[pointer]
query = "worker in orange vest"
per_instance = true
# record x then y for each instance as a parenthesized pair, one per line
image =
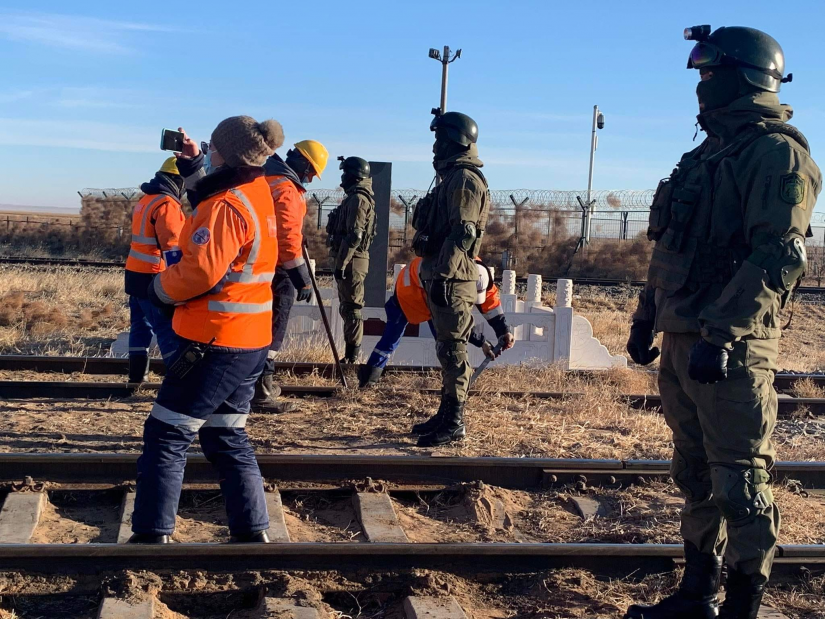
(287, 180)
(220, 294)
(157, 220)
(408, 305)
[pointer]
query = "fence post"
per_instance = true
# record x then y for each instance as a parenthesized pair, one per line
(625, 217)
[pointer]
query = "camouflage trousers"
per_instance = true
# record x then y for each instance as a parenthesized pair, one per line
(351, 299)
(453, 325)
(723, 452)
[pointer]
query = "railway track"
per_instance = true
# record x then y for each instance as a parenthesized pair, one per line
(783, 382)
(30, 389)
(378, 524)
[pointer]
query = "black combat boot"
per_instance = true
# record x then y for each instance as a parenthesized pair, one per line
(368, 376)
(451, 427)
(351, 353)
(742, 597)
(258, 537)
(149, 538)
(265, 390)
(431, 425)
(696, 597)
(138, 368)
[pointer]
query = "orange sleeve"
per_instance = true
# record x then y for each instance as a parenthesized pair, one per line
(491, 301)
(214, 238)
(290, 210)
(169, 219)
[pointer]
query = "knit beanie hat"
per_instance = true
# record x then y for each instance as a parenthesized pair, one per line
(242, 141)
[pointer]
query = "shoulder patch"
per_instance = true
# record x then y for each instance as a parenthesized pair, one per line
(201, 236)
(792, 188)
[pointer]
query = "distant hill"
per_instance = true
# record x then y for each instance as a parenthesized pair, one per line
(39, 210)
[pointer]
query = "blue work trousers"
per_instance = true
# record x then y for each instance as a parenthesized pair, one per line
(147, 320)
(393, 332)
(212, 402)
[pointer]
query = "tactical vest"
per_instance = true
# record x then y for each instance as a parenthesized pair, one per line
(681, 215)
(429, 236)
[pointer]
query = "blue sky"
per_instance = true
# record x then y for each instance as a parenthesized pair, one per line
(87, 86)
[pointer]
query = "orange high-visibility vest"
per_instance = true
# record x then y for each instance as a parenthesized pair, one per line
(410, 293)
(413, 300)
(290, 210)
(156, 224)
(231, 239)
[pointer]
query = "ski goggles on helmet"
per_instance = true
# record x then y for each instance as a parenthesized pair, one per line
(706, 54)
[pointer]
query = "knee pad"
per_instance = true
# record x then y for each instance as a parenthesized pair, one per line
(452, 352)
(741, 493)
(690, 476)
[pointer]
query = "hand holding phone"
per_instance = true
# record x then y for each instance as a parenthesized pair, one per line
(190, 146)
(171, 140)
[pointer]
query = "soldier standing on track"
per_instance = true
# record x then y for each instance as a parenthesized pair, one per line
(287, 180)
(729, 226)
(351, 231)
(449, 223)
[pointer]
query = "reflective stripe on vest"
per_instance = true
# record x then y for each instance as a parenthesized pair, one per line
(245, 275)
(407, 277)
(142, 238)
(496, 311)
(294, 263)
(133, 253)
(239, 308)
(280, 181)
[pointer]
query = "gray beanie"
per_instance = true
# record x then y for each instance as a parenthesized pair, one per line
(241, 140)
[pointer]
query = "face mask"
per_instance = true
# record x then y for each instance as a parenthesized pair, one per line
(306, 179)
(207, 162)
(719, 91)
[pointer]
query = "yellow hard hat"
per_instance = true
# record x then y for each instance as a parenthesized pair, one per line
(170, 166)
(316, 153)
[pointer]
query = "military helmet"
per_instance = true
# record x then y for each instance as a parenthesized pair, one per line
(456, 126)
(757, 57)
(354, 167)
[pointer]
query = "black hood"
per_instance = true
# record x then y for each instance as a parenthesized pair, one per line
(275, 166)
(167, 184)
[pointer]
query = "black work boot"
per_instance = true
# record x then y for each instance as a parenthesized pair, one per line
(138, 368)
(351, 353)
(149, 538)
(742, 597)
(368, 376)
(258, 537)
(431, 425)
(696, 597)
(451, 427)
(265, 390)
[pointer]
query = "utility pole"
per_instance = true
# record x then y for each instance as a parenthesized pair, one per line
(445, 60)
(598, 123)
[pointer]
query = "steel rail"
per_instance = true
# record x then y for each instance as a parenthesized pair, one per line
(30, 389)
(489, 556)
(514, 473)
(784, 381)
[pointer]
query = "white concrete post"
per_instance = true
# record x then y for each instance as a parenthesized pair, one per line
(508, 282)
(564, 322)
(533, 299)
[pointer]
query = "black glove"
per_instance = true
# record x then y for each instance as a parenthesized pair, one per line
(640, 343)
(299, 276)
(303, 294)
(708, 363)
(339, 275)
(438, 293)
(165, 309)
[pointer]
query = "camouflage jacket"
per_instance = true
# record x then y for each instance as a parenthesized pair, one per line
(751, 183)
(355, 225)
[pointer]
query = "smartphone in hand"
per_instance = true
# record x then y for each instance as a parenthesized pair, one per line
(171, 140)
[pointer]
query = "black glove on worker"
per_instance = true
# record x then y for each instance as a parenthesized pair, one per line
(438, 293)
(707, 363)
(165, 309)
(640, 343)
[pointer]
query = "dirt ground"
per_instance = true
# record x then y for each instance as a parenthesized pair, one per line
(552, 594)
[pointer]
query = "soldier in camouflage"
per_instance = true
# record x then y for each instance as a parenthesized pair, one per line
(729, 226)
(449, 225)
(351, 234)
